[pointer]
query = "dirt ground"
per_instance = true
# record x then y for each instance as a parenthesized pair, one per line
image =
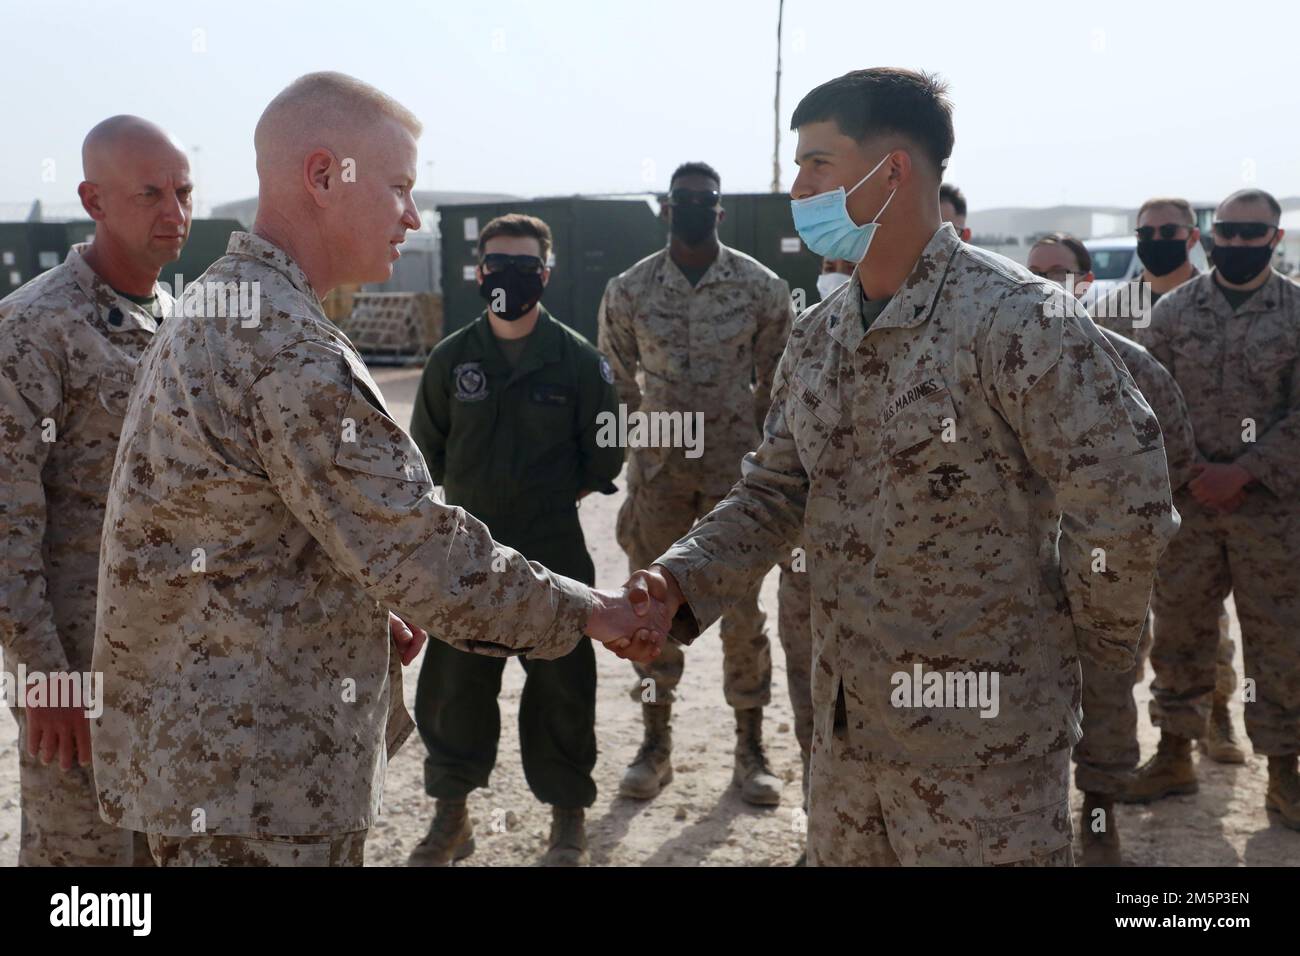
(699, 819)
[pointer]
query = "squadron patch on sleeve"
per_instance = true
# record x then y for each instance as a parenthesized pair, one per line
(606, 371)
(471, 383)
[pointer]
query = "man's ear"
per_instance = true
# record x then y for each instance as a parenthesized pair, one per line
(722, 215)
(89, 195)
(478, 273)
(965, 233)
(320, 175)
(1193, 237)
(546, 276)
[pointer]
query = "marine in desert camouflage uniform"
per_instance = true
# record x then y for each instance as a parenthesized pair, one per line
(69, 343)
(705, 324)
(1232, 341)
(984, 495)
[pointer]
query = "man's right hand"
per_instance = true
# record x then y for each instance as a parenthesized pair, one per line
(64, 731)
(656, 582)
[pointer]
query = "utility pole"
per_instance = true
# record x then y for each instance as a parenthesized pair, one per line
(776, 107)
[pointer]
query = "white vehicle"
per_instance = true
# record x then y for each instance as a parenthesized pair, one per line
(1115, 262)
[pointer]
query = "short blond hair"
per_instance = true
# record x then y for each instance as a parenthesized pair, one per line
(1170, 202)
(329, 100)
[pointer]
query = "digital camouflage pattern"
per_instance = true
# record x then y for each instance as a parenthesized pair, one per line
(712, 348)
(343, 849)
(1109, 747)
(68, 351)
(1238, 371)
(265, 515)
(981, 488)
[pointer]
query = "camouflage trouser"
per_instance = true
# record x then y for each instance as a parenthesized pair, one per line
(61, 825)
(864, 813)
(1252, 556)
(1109, 748)
(650, 520)
(330, 849)
(794, 625)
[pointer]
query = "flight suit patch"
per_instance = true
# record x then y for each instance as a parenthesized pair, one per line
(470, 381)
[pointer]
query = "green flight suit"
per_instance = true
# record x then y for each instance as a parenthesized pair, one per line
(515, 448)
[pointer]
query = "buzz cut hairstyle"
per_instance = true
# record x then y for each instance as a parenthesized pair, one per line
(1170, 202)
(1081, 255)
(519, 225)
(695, 169)
(1256, 195)
(954, 197)
(328, 98)
(882, 101)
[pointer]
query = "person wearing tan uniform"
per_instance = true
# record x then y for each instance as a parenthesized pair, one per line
(705, 325)
(269, 526)
(69, 343)
(984, 495)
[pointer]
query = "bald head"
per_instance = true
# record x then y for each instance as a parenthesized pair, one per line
(137, 188)
(112, 144)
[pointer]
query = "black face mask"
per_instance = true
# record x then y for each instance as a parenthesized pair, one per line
(693, 224)
(1162, 256)
(1240, 264)
(522, 292)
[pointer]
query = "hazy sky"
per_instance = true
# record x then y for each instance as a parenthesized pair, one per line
(1090, 101)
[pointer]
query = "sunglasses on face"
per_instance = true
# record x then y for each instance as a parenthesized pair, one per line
(496, 261)
(694, 197)
(1247, 230)
(1169, 230)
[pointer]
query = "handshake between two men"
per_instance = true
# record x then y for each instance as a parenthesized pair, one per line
(635, 621)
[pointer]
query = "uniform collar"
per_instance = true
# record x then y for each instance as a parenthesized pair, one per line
(543, 348)
(269, 254)
(1266, 298)
(910, 306)
(720, 269)
(116, 313)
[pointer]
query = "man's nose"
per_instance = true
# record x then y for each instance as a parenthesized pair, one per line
(799, 189)
(411, 215)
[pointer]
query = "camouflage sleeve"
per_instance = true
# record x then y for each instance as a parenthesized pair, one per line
(616, 340)
(1274, 458)
(769, 343)
(727, 553)
(1088, 433)
(1166, 400)
(31, 417)
(357, 482)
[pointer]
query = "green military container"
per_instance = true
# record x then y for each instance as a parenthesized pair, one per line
(29, 248)
(596, 238)
(760, 225)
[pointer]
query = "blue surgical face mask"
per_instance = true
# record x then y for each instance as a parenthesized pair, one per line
(824, 224)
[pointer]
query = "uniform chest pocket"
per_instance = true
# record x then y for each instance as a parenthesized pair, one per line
(919, 443)
(1270, 350)
(1195, 352)
(369, 441)
(114, 389)
(812, 417)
